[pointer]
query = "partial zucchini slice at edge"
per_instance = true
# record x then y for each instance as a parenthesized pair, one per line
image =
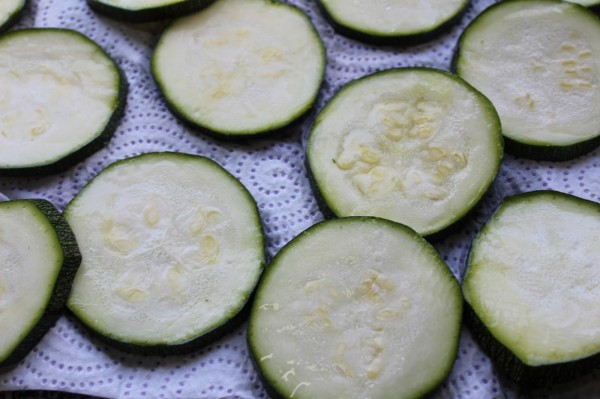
(532, 287)
(355, 307)
(39, 257)
(240, 67)
(147, 10)
(537, 61)
(389, 22)
(10, 11)
(172, 248)
(62, 98)
(415, 145)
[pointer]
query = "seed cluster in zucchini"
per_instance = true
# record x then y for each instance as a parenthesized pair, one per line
(240, 67)
(533, 287)
(355, 307)
(10, 10)
(396, 21)
(39, 257)
(172, 248)
(61, 97)
(147, 10)
(537, 61)
(414, 145)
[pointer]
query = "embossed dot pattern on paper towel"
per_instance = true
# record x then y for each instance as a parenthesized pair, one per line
(69, 359)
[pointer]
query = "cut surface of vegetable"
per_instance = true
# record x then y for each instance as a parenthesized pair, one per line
(537, 61)
(61, 97)
(9, 12)
(240, 67)
(147, 10)
(417, 146)
(172, 247)
(396, 20)
(533, 281)
(38, 260)
(355, 308)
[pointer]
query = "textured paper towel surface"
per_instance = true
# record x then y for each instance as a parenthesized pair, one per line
(69, 359)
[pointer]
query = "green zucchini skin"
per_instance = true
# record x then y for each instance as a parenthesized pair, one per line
(233, 320)
(528, 377)
(152, 14)
(521, 148)
(13, 18)
(392, 40)
(62, 285)
(281, 128)
(101, 140)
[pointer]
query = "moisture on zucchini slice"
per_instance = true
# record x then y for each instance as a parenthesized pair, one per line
(355, 307)
(240, 67)
(533, 287)
(61, 98)
(10, 10)
(396, 21)
(147, 10)
(414, 145)
(172, 248)
(39, 257)
(537, 61)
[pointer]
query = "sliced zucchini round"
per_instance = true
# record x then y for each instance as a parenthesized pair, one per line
(10, 10)
(537, 61)
(61, 99)
(414, 145)
(533, 286)
(355, 307)
(146, 10)
(172, 248)
(240, 67)
(39, 257)
(396, 21)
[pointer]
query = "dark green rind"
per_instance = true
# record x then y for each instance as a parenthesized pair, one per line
(13, 18)
(152, 14)
(526, 376)
(239, 136)
(268, 382)
(62, 285)
(378, 38)
(521, 148)
(99, 142)
(329, 211)
(212, 334)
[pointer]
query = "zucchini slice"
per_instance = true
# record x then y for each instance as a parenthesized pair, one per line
(39, 257)
(355, 307)
(533, 285)
(146, 10)
(172, 248)
(10, 10)
(61, 99)
(396, 21)
(417, 146)
(538, 62)
(240, 67)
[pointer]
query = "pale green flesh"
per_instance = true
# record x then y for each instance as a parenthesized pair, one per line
(171, 246)
(8, 8)
(139, 4)
(240, 66)
(539, 64)
(393, 17)
(58, 93)
(415, 146)
(30, 257)
(534, 279)
(356, 309)
(586, 3)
